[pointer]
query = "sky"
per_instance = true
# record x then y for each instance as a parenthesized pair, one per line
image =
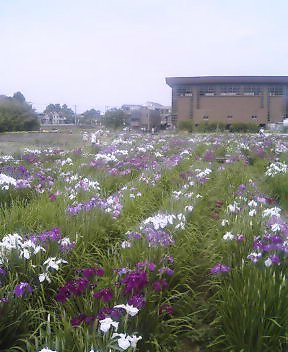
(105, 53)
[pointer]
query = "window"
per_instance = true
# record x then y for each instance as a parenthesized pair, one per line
(230, 90)
(184, 92)
(205, 117)
(254, 117)
(207, 91)
(276, 91)
(250, 90)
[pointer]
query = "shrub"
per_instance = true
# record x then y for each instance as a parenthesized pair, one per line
(186, 125)
(211, 127)
(278, 186)
(243, 127)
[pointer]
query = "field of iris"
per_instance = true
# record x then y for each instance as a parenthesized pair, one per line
(150, 243)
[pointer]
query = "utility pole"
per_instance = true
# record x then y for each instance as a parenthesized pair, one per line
(148, 115)
(75, 114)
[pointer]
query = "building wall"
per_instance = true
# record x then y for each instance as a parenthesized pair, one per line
(260, 109)
(231, 109)
(183, 108)
(277, 109)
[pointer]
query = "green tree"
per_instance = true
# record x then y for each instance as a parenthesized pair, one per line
(52, 108)
(17, 115)
(115, 118)
(68, 113)
(90, 117)
(19, 97)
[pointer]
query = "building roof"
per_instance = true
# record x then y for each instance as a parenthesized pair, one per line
(173, 81)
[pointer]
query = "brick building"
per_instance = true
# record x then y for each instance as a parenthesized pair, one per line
(228, 99)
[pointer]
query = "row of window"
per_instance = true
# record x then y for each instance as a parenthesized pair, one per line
(230, 91)
(206, 117)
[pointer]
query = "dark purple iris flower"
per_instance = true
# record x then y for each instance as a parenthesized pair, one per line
(74, 287)
(106, 295)
(166, 308)
(89, 272)
(103, 313)
(135, 282)
(160, 285)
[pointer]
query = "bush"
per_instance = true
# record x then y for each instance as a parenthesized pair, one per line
(243, 127)
(211, 127)
(279, 188)
(207, 127)
(186, 125)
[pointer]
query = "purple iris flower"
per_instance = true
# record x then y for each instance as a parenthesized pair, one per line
(22, 288)
(220, 268)
(137, 301)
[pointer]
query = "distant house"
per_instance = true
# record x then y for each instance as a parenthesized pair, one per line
(130, 107)
(52, 118)
(142, 117)
(258, 99)
(165, 112)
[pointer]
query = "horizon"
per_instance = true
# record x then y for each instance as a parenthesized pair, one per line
(107, 54)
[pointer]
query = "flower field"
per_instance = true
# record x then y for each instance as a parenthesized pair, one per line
(149, 243)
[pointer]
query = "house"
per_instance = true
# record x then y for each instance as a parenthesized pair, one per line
(52, 118)
(165, 112)
(228, 99)
(142, 117)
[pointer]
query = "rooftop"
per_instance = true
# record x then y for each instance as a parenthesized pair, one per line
(172, 81)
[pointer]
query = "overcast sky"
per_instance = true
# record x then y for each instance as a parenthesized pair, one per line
(97, 53)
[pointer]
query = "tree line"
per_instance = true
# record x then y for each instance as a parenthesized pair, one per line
(16, 114)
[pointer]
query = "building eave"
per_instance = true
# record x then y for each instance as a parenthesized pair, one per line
(175, 81)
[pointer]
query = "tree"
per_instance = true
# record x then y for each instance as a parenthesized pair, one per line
(68, 114)
(52, 108)
(17, 115)
(90, 117)
(115, 118)
(19, 97)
